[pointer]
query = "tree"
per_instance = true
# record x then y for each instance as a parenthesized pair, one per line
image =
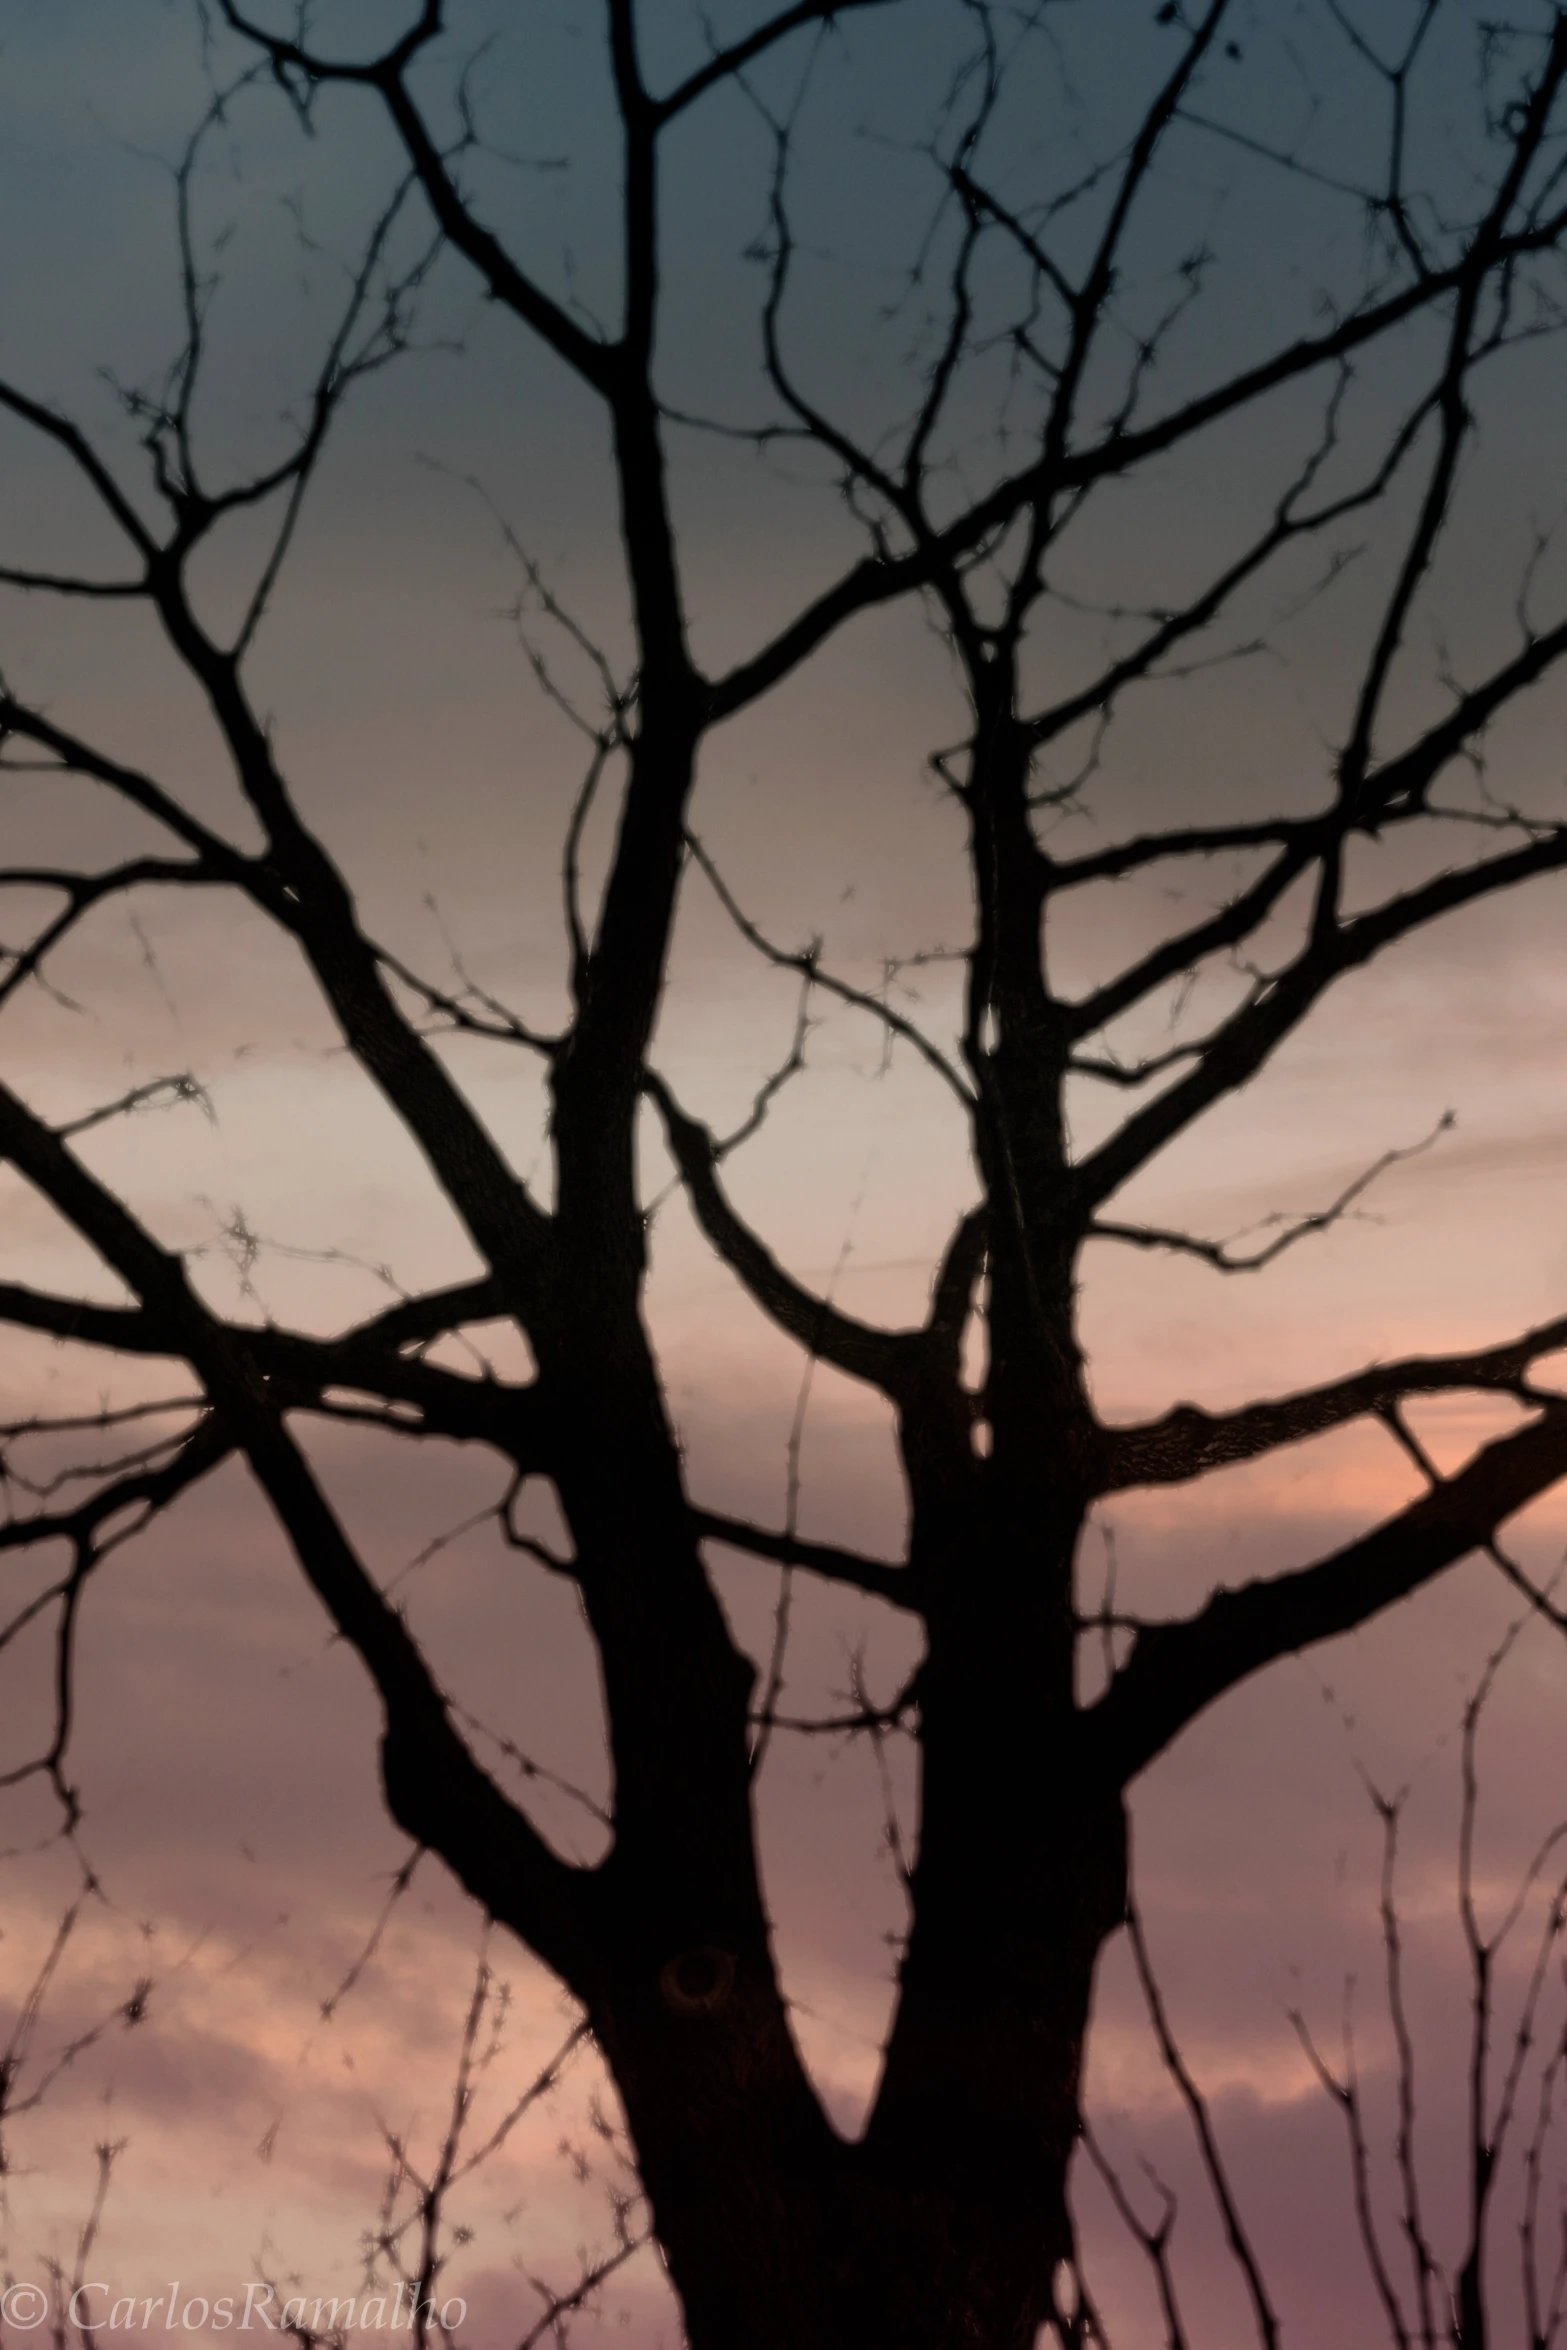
(1072, 339)
(1474, 2256)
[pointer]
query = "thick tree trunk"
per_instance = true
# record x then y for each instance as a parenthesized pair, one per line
(943, 2229)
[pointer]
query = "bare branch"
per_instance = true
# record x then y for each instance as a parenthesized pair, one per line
(877, 1577)
(69, 438)
(1188, 1442)
(1286, 1229)
(807, 962)
(1153, 2241)
(434, 1786)
(885, 1358)
(882, 578)
(385, 75)
(1240, 1047)
(1345, 2094)
(1245, 2258)
(1177, 1669)
(727, 63)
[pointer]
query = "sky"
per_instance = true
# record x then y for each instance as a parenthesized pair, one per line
(226, 1748)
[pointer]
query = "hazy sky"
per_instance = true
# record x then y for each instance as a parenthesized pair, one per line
(227, 1750)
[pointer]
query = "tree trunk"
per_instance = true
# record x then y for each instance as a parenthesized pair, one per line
(942, 2230)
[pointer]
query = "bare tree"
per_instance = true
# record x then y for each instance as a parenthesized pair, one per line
(1064, 353)
(418, 2226)
(32, 2064)
(1495, 2180)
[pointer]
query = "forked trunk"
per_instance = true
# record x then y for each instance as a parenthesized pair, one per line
(943, 2228)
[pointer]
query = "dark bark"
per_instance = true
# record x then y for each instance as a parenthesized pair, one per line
(944, 2227)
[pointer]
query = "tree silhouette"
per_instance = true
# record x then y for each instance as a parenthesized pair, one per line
(1460, 2228)
(1066, 353)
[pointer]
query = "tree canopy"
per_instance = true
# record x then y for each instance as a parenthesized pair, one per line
(1122, 357)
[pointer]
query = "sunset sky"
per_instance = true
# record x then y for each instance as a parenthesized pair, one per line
(226, 1751)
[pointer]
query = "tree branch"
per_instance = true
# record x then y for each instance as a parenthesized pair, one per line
(1177, 1669)
(436, 1789)
(1287, 1229)
(899, 1585)
(881, 578)
(884, 1358)
(726, 63)
(1188, 1442)
(1240, 1047)
(807, 962)
(507, 283)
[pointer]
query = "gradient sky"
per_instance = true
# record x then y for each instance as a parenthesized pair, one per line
(227, 1750)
